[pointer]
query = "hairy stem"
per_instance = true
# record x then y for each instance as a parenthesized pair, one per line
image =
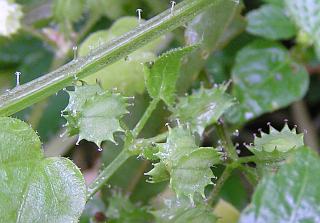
(105, 175)
(34, 91)
(228, 145)
(143, 121)
(159, 138)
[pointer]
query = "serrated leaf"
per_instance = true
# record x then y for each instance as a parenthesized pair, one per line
(265, 78)
(271, 22)
(181, 211)
(34, 188)
(291, 195)
(277, 145)
(162, 76)
(187, 164)
(159, 173)
(127, 74)
(94, 114)
(203, 108)
(306, 16)
(192, 173)
(180, 142)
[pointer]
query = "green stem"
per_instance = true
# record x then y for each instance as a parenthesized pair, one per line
(159, 138)
(34, 91)
(247, 159)
(105, 175)
(229, 147)
(213, 198)
(143, 121)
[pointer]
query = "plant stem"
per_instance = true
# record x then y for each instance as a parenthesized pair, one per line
(213, 198)
(159, 138)
(246, 159)
(105, 175)
(223, 134)
(143, 121)
(34, 91)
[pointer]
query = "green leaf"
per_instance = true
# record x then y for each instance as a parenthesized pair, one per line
(265, 79)
(291, 195)
(126, 75)
(203, 107)
(192, 173)
(277, 145)
(162, 75)
(34, 188)
(68, 10)
(181, 211)
(306, 15)
(159, 173)
(180, 142)
(187, 164)
(121, 210)
(94, 114)
(270, 22)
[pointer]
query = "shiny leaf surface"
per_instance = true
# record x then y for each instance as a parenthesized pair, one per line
(265, 78)
(162, 75)
(203, 107)
(34, 188)
(270, 22)
(291, 195)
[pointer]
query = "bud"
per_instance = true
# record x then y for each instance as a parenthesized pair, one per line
(10, 15)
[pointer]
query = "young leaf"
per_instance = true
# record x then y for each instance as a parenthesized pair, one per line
(265, 78)
(187, 164)
(291, 195)
(192, 173)
(203, 107)
(159, 173)
(181, 211)
(271, 22)
(180, 142)
(162, 75)
(34, 188)
(277, 145)
(94, 114)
